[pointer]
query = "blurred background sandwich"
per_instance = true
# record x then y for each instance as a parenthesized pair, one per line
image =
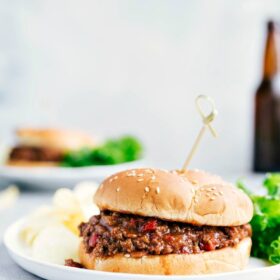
(46, 146)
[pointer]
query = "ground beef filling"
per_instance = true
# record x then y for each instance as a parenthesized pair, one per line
(72, 263)
(28, 153)
(111, 233)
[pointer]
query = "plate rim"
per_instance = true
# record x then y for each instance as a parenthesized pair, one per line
(52, 178)
(13, 228)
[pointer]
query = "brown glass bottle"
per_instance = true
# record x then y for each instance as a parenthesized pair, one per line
(267, 108)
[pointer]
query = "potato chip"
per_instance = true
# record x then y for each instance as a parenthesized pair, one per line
(8, 197)
(52, 231)
(72, 222)
(54, 244)
(43, 217)
(65, 200)
(84, 192)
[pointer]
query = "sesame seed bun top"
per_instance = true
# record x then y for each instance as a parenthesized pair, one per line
(199, 177)
(173, 196)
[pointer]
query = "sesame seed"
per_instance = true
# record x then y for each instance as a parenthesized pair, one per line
(127, 255)
(130, 174)
(215, 194)
(140, 175)
(118, 189)
(220, 192)
(212, 189)
(115, 178)
(195, 182)
(153, 177)
(140, 179)
(212, 198)
(157, 190)
(147, 189)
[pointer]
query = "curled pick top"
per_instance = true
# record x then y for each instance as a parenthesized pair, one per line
(207, 119)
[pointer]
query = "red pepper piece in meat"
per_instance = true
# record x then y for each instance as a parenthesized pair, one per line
(149, 226)
(207, 246)
(93, 240)
(169, 238)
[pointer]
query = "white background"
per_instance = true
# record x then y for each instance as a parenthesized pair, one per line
(115, 67)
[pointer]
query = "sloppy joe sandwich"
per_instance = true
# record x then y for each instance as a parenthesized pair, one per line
(154, 221)
(43, 147)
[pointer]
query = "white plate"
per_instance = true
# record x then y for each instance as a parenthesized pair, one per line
(57, 177)
(256, 270)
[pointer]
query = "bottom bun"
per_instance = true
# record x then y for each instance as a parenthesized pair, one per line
(223, 260)
(25, 163)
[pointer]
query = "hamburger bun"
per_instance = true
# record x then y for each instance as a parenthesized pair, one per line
(199, 177)
(171, 196)
(223, 260)
(53, 138)
(25, 163)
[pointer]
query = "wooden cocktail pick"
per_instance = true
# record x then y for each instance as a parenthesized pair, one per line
(207, 119)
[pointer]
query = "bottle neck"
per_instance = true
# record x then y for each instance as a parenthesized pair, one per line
(270, 67)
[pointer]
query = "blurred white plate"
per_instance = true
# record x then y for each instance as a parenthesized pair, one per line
(57, 177)
(256, 270)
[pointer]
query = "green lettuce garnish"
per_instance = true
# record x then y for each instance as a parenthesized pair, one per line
(266, 220)
(113, 151)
